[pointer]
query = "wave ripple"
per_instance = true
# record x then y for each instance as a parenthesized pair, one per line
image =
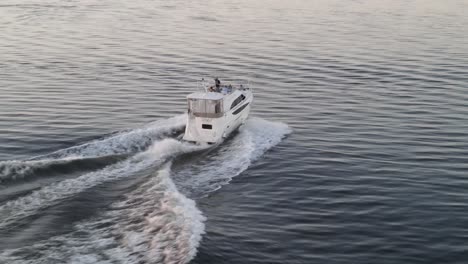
(154, 223)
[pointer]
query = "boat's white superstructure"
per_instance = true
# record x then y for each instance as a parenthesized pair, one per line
(215, 113)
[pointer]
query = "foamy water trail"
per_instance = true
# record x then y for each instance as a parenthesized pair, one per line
(155, 224)
(52, 194)
(252, 141)
(126, 142)
(122, 143)
(163, 220)
(19, 169)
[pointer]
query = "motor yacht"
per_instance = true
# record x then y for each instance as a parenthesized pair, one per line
(217, 111)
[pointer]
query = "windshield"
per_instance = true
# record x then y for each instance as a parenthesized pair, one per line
(205, 108)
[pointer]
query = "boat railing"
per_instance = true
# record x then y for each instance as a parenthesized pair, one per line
(234, 84)
(237, 84)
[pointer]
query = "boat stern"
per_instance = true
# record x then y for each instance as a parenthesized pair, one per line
(204, 130)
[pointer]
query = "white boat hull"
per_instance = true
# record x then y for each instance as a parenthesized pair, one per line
(215, 130)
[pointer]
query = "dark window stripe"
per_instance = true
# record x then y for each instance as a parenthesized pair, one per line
(240, 109)
(237, 101)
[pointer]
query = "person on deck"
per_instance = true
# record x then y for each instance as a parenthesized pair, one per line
(217, 84)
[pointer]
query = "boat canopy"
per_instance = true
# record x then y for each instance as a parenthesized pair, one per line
(205, 104)
(204, 95)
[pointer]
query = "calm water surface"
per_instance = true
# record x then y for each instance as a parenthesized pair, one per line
(356, 150)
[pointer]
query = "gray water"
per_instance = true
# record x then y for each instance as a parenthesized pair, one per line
(355, 151)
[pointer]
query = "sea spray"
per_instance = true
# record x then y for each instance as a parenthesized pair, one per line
(232, 158)
(50, 195)
(154, 224)
(122, 143)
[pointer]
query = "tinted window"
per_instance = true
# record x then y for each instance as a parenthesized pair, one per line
(240, 109)
(237, 101)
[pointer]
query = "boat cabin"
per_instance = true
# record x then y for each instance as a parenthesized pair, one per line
(202, 104)
(216, 112)
(215, 101)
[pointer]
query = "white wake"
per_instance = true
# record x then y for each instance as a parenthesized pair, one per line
(52, 194)
(122, 143)
(254, 138)
(155, 223)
